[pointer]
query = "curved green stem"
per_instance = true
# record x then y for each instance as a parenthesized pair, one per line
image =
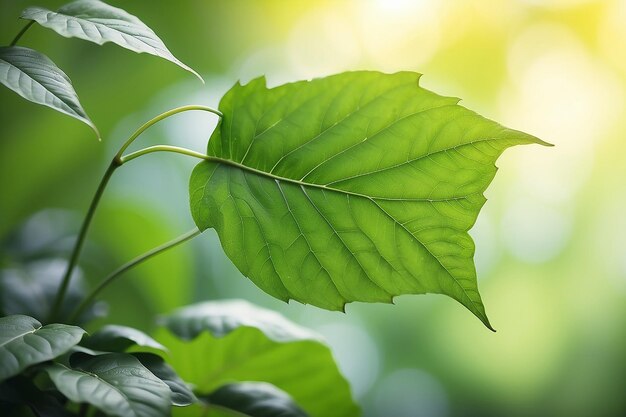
(115, 163)
(58, 301)
(162, 148)
(21, 33)
(129, 265)
(157, 119)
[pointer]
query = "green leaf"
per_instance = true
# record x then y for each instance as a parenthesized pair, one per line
(98, 22)
(255, 399)
(116, 383)
(24, 342)
(356, 187)
(115, 338)
(20, 391)
(35, 77)
(181, 394)
(31, 289)
(226, 341)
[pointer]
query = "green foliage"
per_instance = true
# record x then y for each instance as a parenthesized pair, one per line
(35, 77)
(98, 22)
(356, 187)
(116, 383)
(226, 341)
(25, 342)
(116, 338)
(255, 399)
(181, 394)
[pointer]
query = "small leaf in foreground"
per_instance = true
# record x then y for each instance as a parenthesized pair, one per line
(360, 186)
(115, 383)
(25, 342)
(98, 22)
(36, 78)
(116, 338)
(232, 340)
(255, 399)
(181, 393)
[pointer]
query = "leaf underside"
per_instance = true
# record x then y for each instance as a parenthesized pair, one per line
(233, 340)
(356, 187)
(25, 342)
(36, 78)
(98, 22)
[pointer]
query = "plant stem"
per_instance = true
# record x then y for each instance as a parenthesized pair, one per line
(115, 163)
(162, 148)
(129, 265)
(21, 32)
(157, 119)
(58, 301)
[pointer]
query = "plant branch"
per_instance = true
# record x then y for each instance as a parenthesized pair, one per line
(58, 301)
(21, 33)
(129, 265)
(157, 119)
(115, 163)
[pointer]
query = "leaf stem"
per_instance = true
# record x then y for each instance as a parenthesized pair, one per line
(129, 265)
(115, 163)
(21, 33)
(157, 119)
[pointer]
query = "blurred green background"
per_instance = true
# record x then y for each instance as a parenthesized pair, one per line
(550, 241)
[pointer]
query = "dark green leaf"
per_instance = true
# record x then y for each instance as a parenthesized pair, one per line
(115, 338)
(181, 394)
(356, 187)
(255, 399)
(31, 290)
(228, 341)
(25, 342)
(116, 383)
(35, 77)
(20, 391)
(98, 22)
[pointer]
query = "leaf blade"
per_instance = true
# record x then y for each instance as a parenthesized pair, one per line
(116, 383)
(255, 399)
(25, 342)
(232, 340)
(116, 338)
(98, 22)
(36, 78)
(354, 187)
(181, 393)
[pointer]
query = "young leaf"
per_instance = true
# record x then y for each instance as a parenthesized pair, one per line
(25, 342)
(115, 338)
(226, 341)
(255, 399)
(356, 187)
(116, 383)
(98, 22)
(35, 77)
(181, 394)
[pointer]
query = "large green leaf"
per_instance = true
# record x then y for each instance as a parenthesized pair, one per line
(25, 342)
(356, 187)
(226, 341)
(98, 22)
(35, 77)
(116, 383)
(116, 338)
(255, 399)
